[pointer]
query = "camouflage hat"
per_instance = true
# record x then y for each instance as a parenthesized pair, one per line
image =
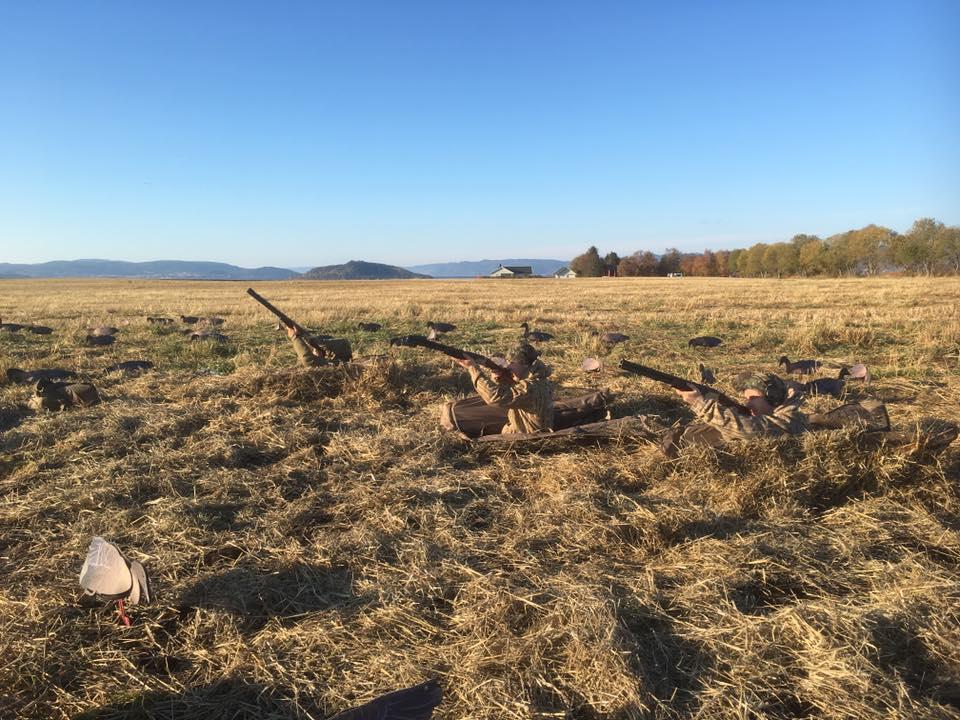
(769, 384)
(524, 354)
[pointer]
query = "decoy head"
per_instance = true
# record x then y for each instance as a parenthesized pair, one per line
(783, 360)
(844, 372)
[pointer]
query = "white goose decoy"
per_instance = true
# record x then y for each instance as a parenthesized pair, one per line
(107, 574)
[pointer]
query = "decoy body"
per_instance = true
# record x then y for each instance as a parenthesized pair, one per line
(10, 327)
(211, 336)
(704, 341)
(103, 330)
(534, 335)
(369, 326)
(799, 367)
(107, 574)
(591, 365)
(159, 320)
(858, 371)
(441, 327)
(212, 321)
(100, 339)
(16, 375)
(39, 329)
(706, 375)
(824, 386)
(189, 319)
(412, 703)
(613, 338)
(131, 367)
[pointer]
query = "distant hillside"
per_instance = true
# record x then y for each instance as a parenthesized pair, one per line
(472, 268)
(360, 270)
(159, 269)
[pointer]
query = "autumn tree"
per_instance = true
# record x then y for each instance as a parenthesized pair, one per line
(588, 264)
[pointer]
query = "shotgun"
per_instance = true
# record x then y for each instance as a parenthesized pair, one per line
(424, 342)
(679, 383)
(289, 322)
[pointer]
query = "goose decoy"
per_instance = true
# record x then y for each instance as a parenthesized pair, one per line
(189, 319)
(369, 327)
(858, 371)
(280, 326)
(103, 330)
(799, 367)
(440, 328)
(131, 367)
(16, 375)
(211, 336)
(10, 327)
(100, 339)
(108, 575)
(39, 329)
(613, 338)
(159, 320)
(706, 375)
(412, 703)
(707, 341)
(591, 365)
(534, 335)
(215, 321)
(824, 386)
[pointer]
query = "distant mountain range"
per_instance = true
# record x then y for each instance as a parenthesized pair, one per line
(160, 269)
(472, 268)
(360, 270)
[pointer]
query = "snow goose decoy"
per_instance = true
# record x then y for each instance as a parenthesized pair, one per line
(107, 574)
(591, 365)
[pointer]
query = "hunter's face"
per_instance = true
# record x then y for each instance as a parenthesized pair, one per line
(755, 400)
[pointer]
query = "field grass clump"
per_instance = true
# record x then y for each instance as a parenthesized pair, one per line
(315, 539)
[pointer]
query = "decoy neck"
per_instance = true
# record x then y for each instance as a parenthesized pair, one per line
(784, 360)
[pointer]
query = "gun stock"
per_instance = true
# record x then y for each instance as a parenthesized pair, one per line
(457, 353)
(680, 383)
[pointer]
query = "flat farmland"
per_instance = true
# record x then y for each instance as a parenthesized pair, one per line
(315, 539)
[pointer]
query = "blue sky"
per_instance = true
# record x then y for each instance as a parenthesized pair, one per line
(310, 133)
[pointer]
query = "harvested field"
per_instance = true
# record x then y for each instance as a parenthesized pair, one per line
(315, 539)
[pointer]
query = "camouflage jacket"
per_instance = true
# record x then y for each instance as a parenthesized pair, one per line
(529, 403)
(785, 420)
(338, 350)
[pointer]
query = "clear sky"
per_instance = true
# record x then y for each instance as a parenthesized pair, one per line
(297, 134)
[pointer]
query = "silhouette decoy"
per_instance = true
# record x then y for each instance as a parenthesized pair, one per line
(369, 326)
(189, 319)
(706, 375)
(10, 327)
(103, 330)
(16, 375)
(591, 365)
(534, 335)
(131, 367)
(707, 341)
(108, 575)
(799, 367)
(412, 703)
(613, 338)
(100, 339)
(39, 329)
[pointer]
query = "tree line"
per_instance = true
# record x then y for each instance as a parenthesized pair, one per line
(928, 248)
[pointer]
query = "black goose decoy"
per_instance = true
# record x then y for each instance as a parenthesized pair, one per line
(10, 327)
(189, 319)
(707, 341)
(100, 339)
(131, 367)
(215, 321)
(706, 375)
(369, 326)
(534, 335)
(412, 703)
(103, 330)
(16, 375)
(824, 386)
(39, 329)
(799, 367)
(108, 575)
(441, 327)
(613, 338)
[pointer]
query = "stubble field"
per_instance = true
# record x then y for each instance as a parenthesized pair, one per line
(314, 539)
